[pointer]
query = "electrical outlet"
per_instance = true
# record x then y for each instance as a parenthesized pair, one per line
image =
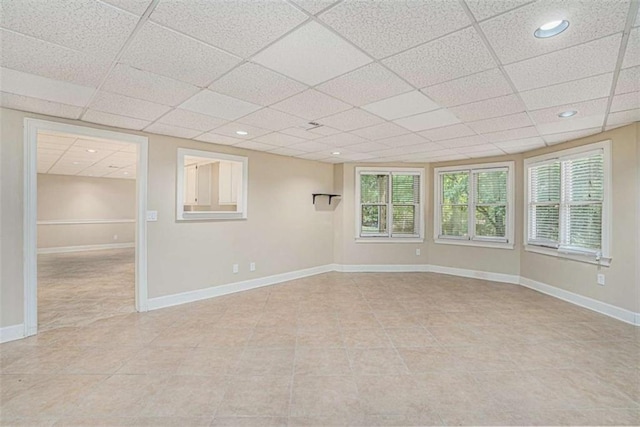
(115, 237)
(235, 268)
(601, 279)
(417, 252)
(252, 266)
(152, 215)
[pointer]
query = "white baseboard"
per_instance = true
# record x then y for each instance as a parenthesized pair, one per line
(582, 301)
(381, 268)
(476, 274)
(62, 249)
(11, 333)
(216, 291)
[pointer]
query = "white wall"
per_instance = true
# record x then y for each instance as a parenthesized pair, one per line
(77, 199)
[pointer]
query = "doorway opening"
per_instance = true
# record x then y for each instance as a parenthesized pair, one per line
(85, 224)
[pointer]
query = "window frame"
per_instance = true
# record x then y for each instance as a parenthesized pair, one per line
(182, 215)
(472, 240)
(389, 238)
(602, 257)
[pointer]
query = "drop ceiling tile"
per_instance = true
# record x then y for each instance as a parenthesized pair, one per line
(596, 57)
(319, 155)
(365, 85)
(114, 120)
(520, 145)
(496, 124)
(129, 81)
(279, 139)
(191, 120)
(483, 9)
(489, 108)
(137, 7)
(311, 105)
(35, 105)
(386, 27)
(314, 6)
(403, 140)
(368, 146)
(586, 108)
(84, 25)
(81, 154)
(557, 138)
(448, 132)
(163, 51)
(301, 133)
(246, 28)
(325, 130)
(48, 152)
(56, 138)
(311, 54)
(312, 147)
(35, 56)
(489, 152)
(628, 80)
(430, 120)
(230, 129)
(344, 157)
(632, 54)
(511, 34)
(286, 151)
(130, 148)
(256, 84)
(477, 87)
(566, 93)
(586, 122)
(81, 144)
(218, 105)
(170, 130)
(268, 118)
(623, 117)
(404, 105)
(506, 135)
(215, 138)
(481, 148)
(625, 101)
(456, 55)
(340, 140)
(125, 106)
(42, 145)
(32, 86)
(383, 130)
(466, 141)
(351, 119)
(408, 149)
(255, 145)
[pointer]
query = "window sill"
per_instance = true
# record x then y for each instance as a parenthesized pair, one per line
(589, 259)
(475, 243)
(210, 216)
(389, 240)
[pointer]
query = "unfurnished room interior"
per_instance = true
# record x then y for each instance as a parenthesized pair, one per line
(319, 212)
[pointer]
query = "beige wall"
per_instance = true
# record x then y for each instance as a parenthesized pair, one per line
(621, 287)
(284, 231)
(72, 198)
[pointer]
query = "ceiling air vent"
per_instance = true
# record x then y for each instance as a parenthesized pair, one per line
(310, 125)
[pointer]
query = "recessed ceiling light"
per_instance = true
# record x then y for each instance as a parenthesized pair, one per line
(566, 114)
(552, 28)
(336, 153)
(242, 132)
(91, 150)
(76, 163)
(126, 173)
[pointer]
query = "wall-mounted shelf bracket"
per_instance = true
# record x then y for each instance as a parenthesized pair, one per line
(330, 196)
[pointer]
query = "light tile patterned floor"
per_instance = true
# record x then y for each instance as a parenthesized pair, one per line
(79, 288)
(334, 349)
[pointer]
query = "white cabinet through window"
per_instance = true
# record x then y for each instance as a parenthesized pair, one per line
(197, 185)
(229, 182)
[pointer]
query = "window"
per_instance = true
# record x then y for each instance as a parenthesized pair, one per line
(389, 204)
(474, 205)
(211, 186)
(567, 203)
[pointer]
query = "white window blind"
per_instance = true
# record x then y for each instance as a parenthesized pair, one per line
(474, 204)
(566, 197)
(390, 204)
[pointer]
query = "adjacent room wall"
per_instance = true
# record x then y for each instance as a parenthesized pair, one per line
(66, 203)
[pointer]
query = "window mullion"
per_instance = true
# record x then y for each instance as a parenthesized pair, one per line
(471, 205)
(563, 227)
(390, 205)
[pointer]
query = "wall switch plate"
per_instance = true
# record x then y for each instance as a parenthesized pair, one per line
(417, 252)
(601, 279)
(252, 266)
(152, 215)
(235, 268)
